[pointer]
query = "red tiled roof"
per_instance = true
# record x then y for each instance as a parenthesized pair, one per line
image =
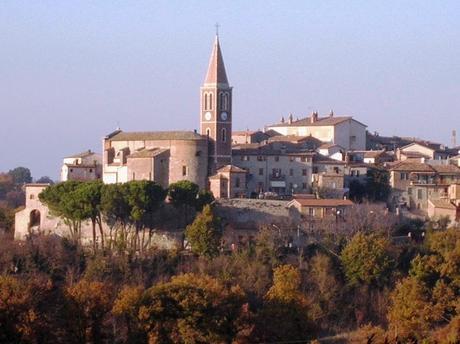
(231, 168)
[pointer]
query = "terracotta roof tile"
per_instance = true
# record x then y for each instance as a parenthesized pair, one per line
(156, 135)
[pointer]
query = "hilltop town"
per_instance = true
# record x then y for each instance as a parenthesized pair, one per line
(317, 163)
(312, 229)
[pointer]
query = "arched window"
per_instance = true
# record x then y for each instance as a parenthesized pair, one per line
(208, 132)
(221, 101)
(224, 135)
(225, 101)
(210, 101)
(205, 101)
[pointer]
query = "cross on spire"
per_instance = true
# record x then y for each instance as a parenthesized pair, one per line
(217, 29)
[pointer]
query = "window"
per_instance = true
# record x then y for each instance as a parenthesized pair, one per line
(260, 186)
(210, 101)
(184, 171)
(276, 172)
(357, 173)
(32, 196)
(261, 171)
(237, 182)
(223, 101)
(224, 135)
(352, 173)
(291, 172)
(277, 158)
(311, 211)
(304, 186)
(90, 170)
(71, 170)
(420, 194)
(260, 158)
(336, 170)
(208, 132)
(404, 176)
(304, 172)
(303, 159)
(315, 169)
(291, 158)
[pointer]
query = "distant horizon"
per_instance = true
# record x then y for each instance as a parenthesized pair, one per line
(72, 73)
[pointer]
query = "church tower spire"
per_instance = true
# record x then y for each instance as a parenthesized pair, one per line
(216, 74)
(216, 110)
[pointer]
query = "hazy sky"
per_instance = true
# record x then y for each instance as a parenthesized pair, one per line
(70, 71)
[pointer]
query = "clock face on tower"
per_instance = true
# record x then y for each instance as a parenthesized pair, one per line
(207, 116)
(224, 116)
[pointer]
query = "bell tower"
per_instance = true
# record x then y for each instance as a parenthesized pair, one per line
(216, 111)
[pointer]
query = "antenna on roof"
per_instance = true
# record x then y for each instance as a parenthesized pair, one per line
(118, 125)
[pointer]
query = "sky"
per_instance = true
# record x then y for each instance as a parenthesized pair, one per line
(72, 71)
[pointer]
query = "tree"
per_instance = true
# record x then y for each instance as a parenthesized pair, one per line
(192, 309)
(45, 180)
(204, 197)
(21, 320)
(143, 198)
(6, 219)
(6, 184)
(15, 198)
(89, 302)
(127, 306)
(357, 190)
(88, 196)
(20, 175)
(62, 202)
(116, 212)
(204, 234)
(411, 314)
(378, 185)
(183, 195)
(366, 260)
(284, 316)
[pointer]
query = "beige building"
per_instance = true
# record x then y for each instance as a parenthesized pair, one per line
(422, 152)
(83, 166)
(228, 182)
(343, 131)
(443, 208)
(249, 136)
(415, 183)
(321, 208)
(164, 157)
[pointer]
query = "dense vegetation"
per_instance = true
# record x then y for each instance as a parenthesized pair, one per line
(362, 281)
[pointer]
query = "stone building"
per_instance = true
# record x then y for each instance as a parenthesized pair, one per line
(164, 157)
(341, 130)
(228, 182)
(82, 166)
(415, 183)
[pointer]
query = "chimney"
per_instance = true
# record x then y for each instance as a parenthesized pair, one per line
(314, 117)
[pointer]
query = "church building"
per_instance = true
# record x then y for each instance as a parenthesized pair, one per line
(169, 156)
